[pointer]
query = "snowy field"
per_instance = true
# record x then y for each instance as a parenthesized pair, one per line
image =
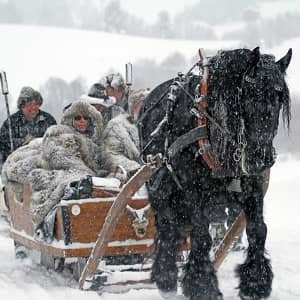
(28, 281)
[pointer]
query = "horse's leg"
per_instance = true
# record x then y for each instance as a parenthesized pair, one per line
(200, 281)
(164, 269)
(256, 273)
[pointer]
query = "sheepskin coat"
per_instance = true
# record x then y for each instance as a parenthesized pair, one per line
(63, 155)
(122, 140)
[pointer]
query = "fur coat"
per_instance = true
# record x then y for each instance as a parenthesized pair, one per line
(62, 156)
(122, 140)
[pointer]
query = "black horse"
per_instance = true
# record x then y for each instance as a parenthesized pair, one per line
(246, 91)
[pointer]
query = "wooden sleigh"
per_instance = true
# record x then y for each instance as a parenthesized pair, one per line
(115, 222)
(77, 225)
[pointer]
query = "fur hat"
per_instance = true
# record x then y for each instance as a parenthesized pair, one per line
(97, 95)
(28, 94)
(136, 97)
(114, 80)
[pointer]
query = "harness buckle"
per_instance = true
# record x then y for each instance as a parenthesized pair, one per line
(204, 149)
(237, 155)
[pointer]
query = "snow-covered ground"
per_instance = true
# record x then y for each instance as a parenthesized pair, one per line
(28, 281)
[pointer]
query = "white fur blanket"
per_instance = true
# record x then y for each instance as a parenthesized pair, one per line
(50, 164)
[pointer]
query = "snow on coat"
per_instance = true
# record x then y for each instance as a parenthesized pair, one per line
(122, 139)
(63, 155)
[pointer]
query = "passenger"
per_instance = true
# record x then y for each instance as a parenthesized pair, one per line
(116, 87)
(68, 153)
(27, 123)
(98, 97)
(121, 135)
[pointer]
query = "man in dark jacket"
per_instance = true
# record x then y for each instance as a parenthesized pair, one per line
(27, 123)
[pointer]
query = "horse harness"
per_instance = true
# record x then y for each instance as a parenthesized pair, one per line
(198, 134)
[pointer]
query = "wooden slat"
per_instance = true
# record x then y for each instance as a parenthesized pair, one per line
(56, 251)
(92, 216)
(104, 193)
(19, 211)
(59, 228)
(32, 244)
(119, 250)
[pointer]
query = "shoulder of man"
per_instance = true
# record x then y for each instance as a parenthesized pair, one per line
(14, 118)
(48, 117)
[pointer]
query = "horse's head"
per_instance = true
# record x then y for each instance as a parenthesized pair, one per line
(247, 92)
(264, 93)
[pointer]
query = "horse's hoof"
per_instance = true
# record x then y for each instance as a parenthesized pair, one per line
(219, 297)
(245, 297)
(168, 295)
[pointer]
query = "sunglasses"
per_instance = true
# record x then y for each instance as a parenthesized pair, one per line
(77, 118)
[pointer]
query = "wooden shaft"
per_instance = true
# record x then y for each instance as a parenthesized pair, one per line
(113, 216)
(236, 229)
(233, 233)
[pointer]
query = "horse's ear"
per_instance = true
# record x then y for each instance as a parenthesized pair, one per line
(255, 56)
(284, 62)
(254, 59)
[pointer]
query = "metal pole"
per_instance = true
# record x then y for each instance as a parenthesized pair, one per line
(128, 81)
(128, 69)
(4, 88)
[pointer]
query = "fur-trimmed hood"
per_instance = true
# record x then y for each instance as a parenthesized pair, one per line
(84, 108)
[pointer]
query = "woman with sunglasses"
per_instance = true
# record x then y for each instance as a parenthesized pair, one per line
(81, 123)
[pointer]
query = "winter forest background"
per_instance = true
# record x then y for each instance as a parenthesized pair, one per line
(265, 23)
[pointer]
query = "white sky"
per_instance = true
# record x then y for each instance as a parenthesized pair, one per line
(269, 9)
(148, 10)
